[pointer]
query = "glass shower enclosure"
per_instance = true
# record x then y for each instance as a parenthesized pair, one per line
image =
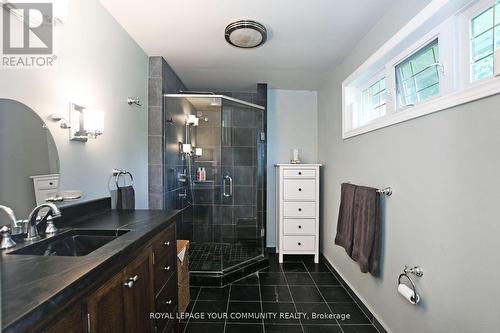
(223, 211)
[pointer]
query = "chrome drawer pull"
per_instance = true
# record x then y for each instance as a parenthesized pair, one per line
(166, 268)
(168, 302)
(131, 281)
(167, 243)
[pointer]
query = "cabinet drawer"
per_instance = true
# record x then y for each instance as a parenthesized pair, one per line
(299, 209)
(298, 243)
(164, 251)
(43, 195)
(166, 302)
(299, 189)
(299, 226)
(163, 270)
(45, 184)
(299, 173)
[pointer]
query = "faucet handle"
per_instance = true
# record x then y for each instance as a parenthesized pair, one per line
(7, 241)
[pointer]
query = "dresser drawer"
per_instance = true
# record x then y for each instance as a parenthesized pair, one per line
(299, 189)
(299, 209)
(47, 183)
(299, 173)
(164, 252)
(299, 226)
(298, 243)
(166, 302)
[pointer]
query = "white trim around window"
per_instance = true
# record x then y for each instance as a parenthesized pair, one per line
(455, 87)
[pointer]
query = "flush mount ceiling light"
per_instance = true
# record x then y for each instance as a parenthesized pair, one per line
(246, 34)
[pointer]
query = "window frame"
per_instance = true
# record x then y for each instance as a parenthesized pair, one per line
(381, 74)
(454, 54)
(474, 9)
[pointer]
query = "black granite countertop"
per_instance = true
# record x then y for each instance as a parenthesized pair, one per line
(34, 286)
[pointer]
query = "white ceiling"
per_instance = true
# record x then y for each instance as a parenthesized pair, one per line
(306, 38)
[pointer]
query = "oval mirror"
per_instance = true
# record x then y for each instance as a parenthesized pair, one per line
(29, 163)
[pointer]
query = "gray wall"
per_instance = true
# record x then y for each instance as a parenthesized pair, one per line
(91, 69)
(444, 169)
(292, 123)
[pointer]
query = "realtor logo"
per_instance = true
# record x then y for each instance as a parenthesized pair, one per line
(27, 28)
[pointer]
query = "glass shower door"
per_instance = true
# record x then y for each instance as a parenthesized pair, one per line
(242, 235)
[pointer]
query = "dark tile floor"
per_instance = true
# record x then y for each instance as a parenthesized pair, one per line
(281, 298)
(215, 257)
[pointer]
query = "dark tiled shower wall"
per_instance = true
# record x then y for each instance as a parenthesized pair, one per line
(163, 136)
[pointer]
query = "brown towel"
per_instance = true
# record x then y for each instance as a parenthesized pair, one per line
(358, 229)
(345, 222)
(125, 198)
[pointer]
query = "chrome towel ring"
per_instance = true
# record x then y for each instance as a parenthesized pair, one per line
(117, 173)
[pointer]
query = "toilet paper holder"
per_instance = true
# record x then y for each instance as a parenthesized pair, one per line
(417, 271)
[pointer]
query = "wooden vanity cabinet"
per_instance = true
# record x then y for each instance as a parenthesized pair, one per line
(124, 302)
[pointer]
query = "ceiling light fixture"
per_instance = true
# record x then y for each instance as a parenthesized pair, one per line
(246, 34)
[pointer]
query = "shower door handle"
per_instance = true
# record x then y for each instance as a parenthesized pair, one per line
(230, 194)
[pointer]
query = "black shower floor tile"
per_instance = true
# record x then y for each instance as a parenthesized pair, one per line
(316, 313)
(359, 329)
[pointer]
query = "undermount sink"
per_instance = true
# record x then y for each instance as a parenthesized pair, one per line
(72, 243)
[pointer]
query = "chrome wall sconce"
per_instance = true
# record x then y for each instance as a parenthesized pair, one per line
(63, 122)
(85, 123)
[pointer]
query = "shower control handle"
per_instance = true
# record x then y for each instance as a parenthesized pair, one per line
(230, 194)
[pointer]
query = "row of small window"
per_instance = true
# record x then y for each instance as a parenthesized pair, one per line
(417, 77)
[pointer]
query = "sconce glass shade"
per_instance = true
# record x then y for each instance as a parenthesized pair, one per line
(198, 151)
(186, 148)
(193, 120)
(93, 121)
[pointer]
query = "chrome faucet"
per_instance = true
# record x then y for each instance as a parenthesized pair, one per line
(33, 219)
(10, 214)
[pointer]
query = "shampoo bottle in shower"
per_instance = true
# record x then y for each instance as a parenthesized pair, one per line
(203, 174)
(198, 174)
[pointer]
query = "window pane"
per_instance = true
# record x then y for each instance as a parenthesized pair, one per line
(497, 13)
(373, 103)
(427, 78)
(497, 36)
(422, 60)
(428, 92)
(482, 68)
(482, 22)
(423, 82)
(482, 45)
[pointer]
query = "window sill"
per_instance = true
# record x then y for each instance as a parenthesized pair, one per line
(472, 93)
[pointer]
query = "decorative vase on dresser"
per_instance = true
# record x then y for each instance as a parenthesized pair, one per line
(297, 213)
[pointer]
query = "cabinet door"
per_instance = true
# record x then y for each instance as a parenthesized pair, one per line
(105, 307)
(137, 294)
(71, 321)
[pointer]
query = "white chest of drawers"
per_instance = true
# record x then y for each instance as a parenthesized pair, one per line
(297, 209)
